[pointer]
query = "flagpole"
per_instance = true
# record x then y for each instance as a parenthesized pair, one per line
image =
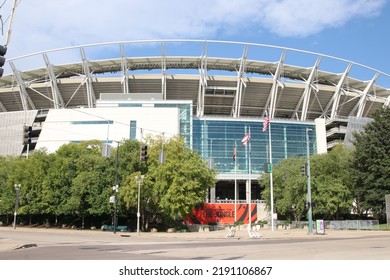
(250, 183)
(270, 177)
(235, 180)
(247, 140)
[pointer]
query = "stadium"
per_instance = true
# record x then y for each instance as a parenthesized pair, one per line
(212, 93)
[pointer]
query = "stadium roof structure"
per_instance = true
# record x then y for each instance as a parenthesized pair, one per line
(234, 79)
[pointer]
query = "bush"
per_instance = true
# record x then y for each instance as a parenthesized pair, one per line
(262, 223)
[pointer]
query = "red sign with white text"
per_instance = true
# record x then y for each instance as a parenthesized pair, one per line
(222, 213)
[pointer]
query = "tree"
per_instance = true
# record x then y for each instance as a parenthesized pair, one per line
(7, 192)
(17, 174)
(74, 181)
(128, 152)
(371, 164)
(78, 181)
(172, 188)
(35, 169)
(330, 185)
(289, 188)
(89, 188)
(56, 186)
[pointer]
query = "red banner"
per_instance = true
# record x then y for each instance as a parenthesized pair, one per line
(222, 213)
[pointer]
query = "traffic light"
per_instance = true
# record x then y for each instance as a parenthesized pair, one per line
(27, 131)
(304, 170)
(3, 51)
(311, 204)
(144, 153)
(267, 167)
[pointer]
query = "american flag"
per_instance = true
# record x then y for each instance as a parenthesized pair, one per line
(265, 123)
(246, 139)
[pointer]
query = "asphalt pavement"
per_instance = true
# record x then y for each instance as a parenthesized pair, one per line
(23, 237)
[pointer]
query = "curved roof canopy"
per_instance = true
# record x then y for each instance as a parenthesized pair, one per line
(221, 78)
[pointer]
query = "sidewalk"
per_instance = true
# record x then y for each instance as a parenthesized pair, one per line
(267, 234)
(24, 237)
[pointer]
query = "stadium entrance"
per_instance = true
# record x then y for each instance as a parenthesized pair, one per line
(224, 192)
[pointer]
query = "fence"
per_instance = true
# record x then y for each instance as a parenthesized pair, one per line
(387, 199)
(345, 225)
(355, 224)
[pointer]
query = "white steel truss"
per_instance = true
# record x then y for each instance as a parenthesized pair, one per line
(88, 79)
(58, 102)
(335, 100)
(2, 108)
(241, 85)
(272, 97)
(202, 82)
(24, 97)
(363, 98)
(163, 71)
(387, 102)
(305, 97)
(125, 71)
(20, 89)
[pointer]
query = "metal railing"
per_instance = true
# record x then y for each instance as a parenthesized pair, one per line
(344, 225)
(238, 201)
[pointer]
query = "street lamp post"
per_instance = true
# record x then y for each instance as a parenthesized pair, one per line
(114, 222)
(309, 211)
(139, 182)
(17, 189)
(115, 188)
(161, 157)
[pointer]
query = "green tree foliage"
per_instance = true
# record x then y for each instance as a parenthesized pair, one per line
(76, 181)
(289, 188)
(84, 188)
(371, 164)
(172, 188)
(29, 174)
(35, 169)
(330, 185)
(128, 152)
(128, 158)
(7, 192)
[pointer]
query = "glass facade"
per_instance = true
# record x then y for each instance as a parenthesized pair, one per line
(216, 139)
(133, 130)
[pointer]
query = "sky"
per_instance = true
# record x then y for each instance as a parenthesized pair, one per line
(355, 30)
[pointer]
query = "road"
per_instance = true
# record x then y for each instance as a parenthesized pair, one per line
(55, 244)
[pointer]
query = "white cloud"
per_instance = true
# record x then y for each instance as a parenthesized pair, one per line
(41, 24)
(299, 18)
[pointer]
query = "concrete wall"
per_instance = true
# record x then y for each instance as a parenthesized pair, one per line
(66, 125)
(321, 136)
(11, 131)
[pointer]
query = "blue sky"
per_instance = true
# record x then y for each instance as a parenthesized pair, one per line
(355, 30)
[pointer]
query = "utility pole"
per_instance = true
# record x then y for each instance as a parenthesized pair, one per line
(139, 181)
(309, 205)
(4, 47)
(17, 189)
(11, 22)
